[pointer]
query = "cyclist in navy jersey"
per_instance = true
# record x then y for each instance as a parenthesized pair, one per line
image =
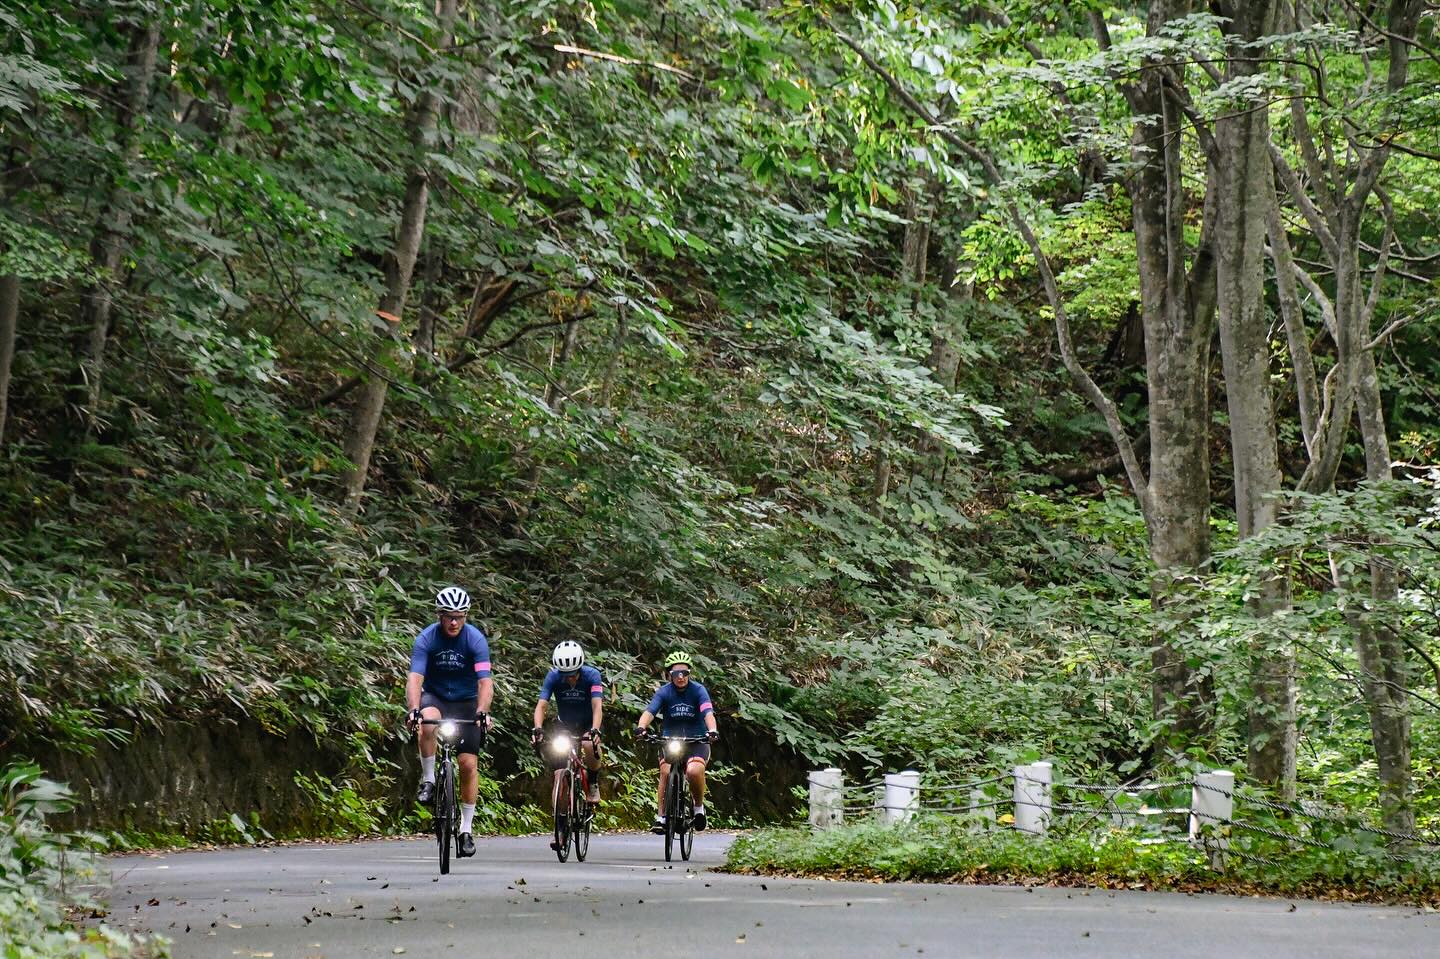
(450, 679)
(686, 710)
(578, 691)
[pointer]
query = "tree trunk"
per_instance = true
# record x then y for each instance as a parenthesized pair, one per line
(399, 266)
(1384, 661)
(108, 246)
(880, 482)
(9, 320)
(1177, 316)
(915, 248)
(424, 336)
(1243, 185)
(617, 348)
(554, 396)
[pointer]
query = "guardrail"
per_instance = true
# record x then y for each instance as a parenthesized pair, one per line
(1029, 793)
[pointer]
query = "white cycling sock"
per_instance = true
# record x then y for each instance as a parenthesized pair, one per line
(700, 807)
(467, 816)
(660, 818)
(427, 769)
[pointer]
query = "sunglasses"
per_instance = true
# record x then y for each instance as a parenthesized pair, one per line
(679, 672)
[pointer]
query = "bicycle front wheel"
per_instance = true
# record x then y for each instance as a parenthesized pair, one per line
(672, 812)
(686, 811)
(444, 813)
(561, 845)
(580, 815)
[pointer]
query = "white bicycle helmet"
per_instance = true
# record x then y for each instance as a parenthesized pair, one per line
(452, 599)
(568, 656)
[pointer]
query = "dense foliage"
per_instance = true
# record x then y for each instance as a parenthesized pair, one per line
(681, 325)
(949, 849)
(41, 878)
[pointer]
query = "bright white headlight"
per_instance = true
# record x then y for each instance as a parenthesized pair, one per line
(561, 743)
(448, 730)
(674, 746)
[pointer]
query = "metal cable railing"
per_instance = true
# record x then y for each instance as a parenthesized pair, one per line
(1217, 825)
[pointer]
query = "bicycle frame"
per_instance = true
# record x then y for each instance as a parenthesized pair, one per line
(679, 812)
(579, 811)
(446, 815)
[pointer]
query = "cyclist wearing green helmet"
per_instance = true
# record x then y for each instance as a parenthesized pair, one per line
(685, 708)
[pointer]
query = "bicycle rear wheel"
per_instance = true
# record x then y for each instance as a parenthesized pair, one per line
(686, 809)
(580, 815)
(444, 813)
(562, 825)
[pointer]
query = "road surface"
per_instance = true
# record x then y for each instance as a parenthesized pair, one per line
(386, 899)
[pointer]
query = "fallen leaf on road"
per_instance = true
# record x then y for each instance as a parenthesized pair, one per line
(234, 925)
(398, 950)
(740, 938)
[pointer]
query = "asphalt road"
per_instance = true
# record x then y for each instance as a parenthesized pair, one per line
(386, 898)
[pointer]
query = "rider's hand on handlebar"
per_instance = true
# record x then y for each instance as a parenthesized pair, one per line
(483, 718)
(712, 735)
(537, 734)
(412, 720)
(593, 734)
(641, 732)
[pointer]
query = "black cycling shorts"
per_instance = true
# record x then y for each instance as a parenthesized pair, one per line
(457, 709)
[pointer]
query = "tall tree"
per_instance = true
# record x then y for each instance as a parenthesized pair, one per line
(399, 267)
(9, 319)
(1333, 199)
(1177, 309)
(116, 215)
(1242, 198)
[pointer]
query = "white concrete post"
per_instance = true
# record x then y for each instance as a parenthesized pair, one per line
(827, 798)
(902, 795)
(1212, 803)
(1032, 797)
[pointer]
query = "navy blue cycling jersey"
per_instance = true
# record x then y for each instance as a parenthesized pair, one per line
(683, 710)
(572, 703)
(451, 666)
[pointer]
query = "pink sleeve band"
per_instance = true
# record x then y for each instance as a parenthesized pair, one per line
(597, 689)
(483, 667)
(704, 707)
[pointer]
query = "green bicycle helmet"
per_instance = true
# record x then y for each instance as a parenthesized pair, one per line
(678, 656)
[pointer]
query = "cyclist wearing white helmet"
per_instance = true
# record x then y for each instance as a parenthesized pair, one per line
(579, 694)
(450, 679)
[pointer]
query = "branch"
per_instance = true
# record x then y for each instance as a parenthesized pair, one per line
(1396, 326)
(461, 362)
(1367, 312)
(1069, 357)
(1306, 388)
(616, 58)
(1429, 660)
(1394, 38)
(1320, 224)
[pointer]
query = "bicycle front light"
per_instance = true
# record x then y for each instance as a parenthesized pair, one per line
(674, 747)
(560, 744)
(448, 730)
